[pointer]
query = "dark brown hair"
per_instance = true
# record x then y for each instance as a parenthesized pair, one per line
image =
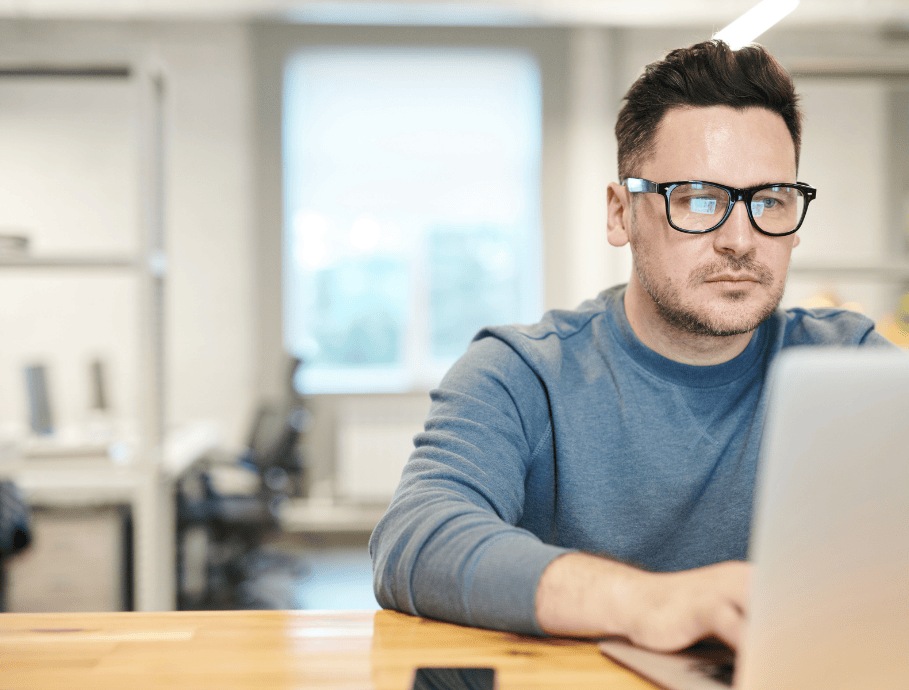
(705, 74)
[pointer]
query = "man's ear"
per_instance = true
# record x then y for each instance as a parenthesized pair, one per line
(795, 240)
(618, 200)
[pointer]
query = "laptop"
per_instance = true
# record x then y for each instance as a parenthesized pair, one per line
(829, 603)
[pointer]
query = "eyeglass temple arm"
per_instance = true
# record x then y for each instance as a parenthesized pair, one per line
(636, 184)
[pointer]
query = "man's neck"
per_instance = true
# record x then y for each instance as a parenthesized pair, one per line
(675, 343)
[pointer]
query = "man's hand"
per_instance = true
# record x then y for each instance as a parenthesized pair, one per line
(678, 609)
(585, 596)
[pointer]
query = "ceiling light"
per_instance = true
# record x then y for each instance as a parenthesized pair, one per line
(755, 22)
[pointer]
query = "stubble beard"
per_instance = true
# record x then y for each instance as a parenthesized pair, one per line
(700, 320)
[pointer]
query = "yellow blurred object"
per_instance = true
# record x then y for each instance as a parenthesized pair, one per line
(853, 306)
(902, 314)
(895, 327)
(820, 300)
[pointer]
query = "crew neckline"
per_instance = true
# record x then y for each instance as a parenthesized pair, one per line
(690, 375)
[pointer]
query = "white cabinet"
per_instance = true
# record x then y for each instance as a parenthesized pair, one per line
(78, 561)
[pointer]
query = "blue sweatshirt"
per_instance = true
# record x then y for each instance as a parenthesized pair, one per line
(571, 434)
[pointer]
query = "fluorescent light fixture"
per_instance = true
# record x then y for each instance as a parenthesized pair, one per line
(755, 22)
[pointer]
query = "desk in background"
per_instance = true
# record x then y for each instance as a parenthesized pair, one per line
(271, 650)
(123, 510)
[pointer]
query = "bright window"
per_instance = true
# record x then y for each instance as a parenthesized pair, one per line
(411, 210)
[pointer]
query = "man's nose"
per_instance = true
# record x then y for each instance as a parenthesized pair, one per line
(737, 235)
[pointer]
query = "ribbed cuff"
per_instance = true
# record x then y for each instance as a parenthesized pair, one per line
(501, 593)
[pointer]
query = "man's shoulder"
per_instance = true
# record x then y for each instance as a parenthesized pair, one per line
(826, 326)
(558, 328)
(549, 352)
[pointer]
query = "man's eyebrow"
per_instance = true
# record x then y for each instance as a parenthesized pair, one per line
(768, 183)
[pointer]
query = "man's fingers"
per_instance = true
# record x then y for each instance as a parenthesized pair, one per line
(727, 616)
(685, 607)
(729, 625)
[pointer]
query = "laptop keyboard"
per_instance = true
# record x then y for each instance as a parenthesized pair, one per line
(714, 659)
(720, 671)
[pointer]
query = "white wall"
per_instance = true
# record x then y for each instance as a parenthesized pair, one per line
(594, 91)
(843, 227)
(69, 177)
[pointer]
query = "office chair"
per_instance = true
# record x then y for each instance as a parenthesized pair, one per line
(236, 524)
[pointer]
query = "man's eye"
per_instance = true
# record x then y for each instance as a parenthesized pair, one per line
(758, 206)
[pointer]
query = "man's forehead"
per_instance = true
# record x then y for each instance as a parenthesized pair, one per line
(746, 143)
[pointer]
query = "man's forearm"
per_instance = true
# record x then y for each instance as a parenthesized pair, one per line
(580, 595)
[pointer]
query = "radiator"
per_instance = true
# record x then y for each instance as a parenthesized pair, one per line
(374, 440)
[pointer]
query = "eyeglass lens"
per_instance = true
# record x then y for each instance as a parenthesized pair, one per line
(698, 207)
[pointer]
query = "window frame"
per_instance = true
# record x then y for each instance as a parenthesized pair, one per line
(273, 44)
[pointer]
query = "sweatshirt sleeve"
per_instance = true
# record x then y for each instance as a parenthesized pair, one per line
(449, 547)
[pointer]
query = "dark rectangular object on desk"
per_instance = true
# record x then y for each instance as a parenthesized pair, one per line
(38, 402)
(98, 387)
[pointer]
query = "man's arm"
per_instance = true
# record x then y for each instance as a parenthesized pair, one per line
(580, 595)
(449, 546)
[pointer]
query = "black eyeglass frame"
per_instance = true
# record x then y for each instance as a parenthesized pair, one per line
(638, 185)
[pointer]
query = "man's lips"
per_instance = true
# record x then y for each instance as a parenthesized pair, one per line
(733, 270)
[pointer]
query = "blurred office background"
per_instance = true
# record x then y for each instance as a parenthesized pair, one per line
(240, 241)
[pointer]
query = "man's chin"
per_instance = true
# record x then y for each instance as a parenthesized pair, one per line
(735, 320)
(724, 319)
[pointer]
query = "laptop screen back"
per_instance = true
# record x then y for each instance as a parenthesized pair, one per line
(830, 589)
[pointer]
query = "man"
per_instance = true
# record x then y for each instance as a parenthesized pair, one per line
(593, 474)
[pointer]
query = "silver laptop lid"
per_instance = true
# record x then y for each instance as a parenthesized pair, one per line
(830, 591)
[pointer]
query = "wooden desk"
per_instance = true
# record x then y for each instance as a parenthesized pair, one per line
(262, 650)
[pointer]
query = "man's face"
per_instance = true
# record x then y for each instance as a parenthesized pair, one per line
(728, 281)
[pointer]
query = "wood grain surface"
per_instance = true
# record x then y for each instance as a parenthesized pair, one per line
(224, 650)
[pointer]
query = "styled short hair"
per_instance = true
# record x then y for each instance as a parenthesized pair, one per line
(703, 75)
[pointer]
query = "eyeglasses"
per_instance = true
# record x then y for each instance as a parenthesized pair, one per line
(699, 207)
